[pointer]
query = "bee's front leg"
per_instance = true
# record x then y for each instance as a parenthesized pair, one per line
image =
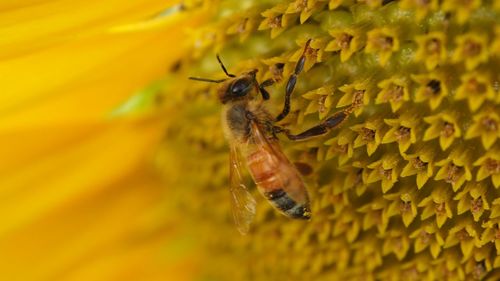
(263, 91)
(292, 80)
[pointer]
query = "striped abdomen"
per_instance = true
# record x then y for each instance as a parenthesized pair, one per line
(279, 182)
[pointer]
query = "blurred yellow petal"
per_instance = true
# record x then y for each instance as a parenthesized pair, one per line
(85, 152)
(85, 78)
(38, 25)
(112, 232)
(83, 199)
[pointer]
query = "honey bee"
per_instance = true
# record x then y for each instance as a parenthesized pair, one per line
(251, 132)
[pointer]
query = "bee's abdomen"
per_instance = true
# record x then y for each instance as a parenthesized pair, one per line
(280, 199)
(265, 170)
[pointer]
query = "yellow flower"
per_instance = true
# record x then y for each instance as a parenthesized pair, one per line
(473, 199)
(443, 125)
(359, 90)
(486, 125)
(116, 161)
(421, 7)
(320, 101)
(346, 40)
(491, 233)
(428, 236)
(455, 169)
(489, 166)
(305, 7)
(243, 27)
(432, 87)
(403, 204)
(420, 163)
(476, 88)
(77, 184)
(342, 146)
(461, 9)
(382, 41)
(472, 49)
(464, 235)
(373, 216)
(314, 54)
(276, 20)
(397, 242)
(370, 134)
(395, 91)
(403, 131)
(431, 49)
(385, 170)
(437, 204)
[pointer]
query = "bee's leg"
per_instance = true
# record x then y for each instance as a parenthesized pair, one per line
(264, 92)
(290, 85)
(330, 123)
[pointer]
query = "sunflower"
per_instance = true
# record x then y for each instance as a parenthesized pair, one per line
(79, 199)
(115, 165)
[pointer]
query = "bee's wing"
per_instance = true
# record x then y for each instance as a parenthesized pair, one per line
(243, 203)
(264, 143)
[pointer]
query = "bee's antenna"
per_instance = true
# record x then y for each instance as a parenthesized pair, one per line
(206, 80)
(223, 67)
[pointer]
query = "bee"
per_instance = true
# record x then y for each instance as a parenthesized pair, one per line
(251, 132)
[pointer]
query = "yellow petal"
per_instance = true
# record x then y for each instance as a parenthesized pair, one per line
(86, 77)
(79, 187)
(82, 152)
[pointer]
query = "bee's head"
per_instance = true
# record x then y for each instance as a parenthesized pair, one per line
(235, 87)
(238, 88)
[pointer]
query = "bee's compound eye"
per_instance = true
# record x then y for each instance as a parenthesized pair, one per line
(240, 87)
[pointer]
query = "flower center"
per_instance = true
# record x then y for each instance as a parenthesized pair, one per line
(321, 104)
(454, 173)
(301, 4)
(342, 148)
(367, 134)
(473, 86)
(448, 129)
(311, 54)
(422, 3)
(344, 41)
(479, 271)
(440, 208)
(492, 166)
(357, 100)
(433, 46)
(402, 133)
(433, 87)
(489, 124)
(404, 206)
(418, 164)
(277, 71)
(242, 25)
(383, 43)
(396, 93)
(425, 237)
(275, 22)
(471, 48)
(387, 174)
(497, 233)
(462, 235)
(476, 205)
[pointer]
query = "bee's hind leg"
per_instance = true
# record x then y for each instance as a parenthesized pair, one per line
(325, 126)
